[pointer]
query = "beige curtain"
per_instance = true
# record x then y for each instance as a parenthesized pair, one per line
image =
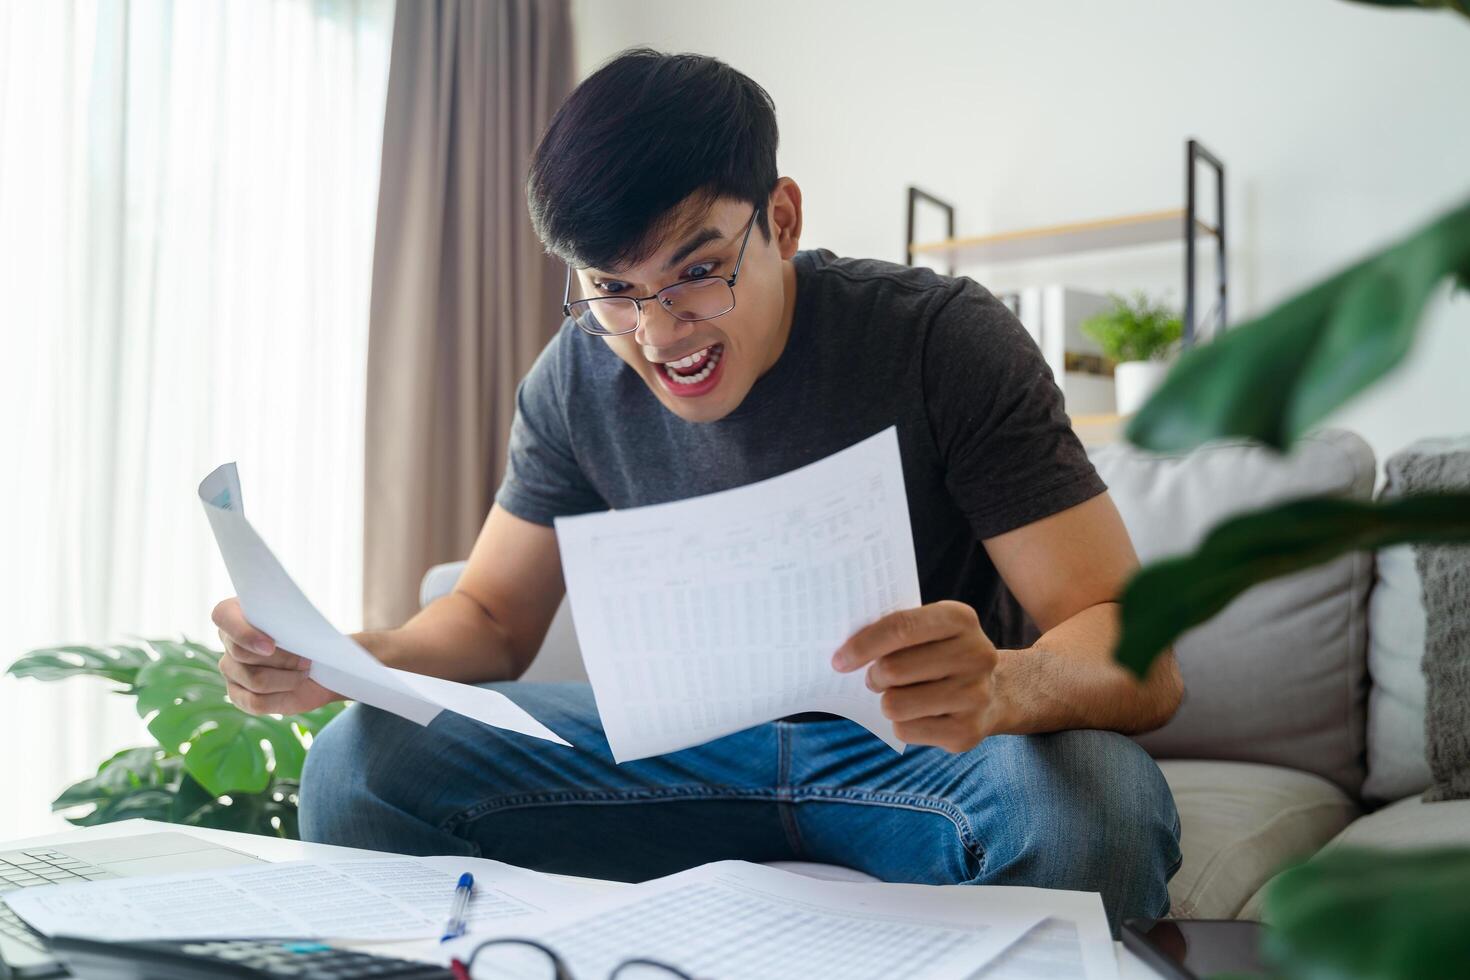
(463, 296)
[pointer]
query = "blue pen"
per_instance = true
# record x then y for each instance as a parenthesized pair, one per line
(455, 927)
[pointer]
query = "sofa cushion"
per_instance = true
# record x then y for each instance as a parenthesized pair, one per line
(1409, 823)
(1240, 824)
(1427, 467)
(1277, 676)
(1396, 763)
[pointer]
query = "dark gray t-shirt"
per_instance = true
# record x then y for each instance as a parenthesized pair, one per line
(986, 446)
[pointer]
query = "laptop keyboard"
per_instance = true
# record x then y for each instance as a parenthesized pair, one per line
(25, 869)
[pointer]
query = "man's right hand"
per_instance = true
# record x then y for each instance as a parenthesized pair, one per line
(261, 678)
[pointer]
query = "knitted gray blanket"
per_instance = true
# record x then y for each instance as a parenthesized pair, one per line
(1444, 571)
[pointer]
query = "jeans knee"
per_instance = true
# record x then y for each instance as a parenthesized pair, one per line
(1090, 811)
(345, 768)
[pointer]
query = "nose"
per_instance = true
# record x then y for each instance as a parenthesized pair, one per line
(658, 328)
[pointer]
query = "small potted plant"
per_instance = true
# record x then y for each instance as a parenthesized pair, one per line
(1140, 336)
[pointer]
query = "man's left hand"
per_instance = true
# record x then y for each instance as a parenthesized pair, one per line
(934, 667)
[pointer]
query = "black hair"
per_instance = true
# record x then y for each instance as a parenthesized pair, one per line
(637, 137)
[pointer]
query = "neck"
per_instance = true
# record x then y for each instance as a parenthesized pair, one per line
(788, 311)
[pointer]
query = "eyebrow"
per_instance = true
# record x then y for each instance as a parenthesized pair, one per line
(695, 242)
(700, 238)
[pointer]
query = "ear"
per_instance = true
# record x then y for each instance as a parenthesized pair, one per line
(784, 211)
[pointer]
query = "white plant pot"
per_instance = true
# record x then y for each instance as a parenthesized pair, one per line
(1135, 380)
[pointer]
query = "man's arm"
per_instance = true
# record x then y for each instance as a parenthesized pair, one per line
(1067, 571)
(492, 623)
(944, 683)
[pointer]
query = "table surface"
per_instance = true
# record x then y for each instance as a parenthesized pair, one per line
(276, 849)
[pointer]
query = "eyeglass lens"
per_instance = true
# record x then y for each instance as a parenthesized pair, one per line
(697, 299)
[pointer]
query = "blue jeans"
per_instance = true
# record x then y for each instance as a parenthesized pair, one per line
(1081, 809)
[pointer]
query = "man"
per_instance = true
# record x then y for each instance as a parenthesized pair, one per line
(704, 351)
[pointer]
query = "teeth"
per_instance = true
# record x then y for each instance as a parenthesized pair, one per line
(698, 376)
(691, 360)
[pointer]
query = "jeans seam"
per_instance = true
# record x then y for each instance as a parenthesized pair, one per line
(784, 808)
(906, 801)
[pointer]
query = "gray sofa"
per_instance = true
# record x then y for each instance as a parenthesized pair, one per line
(1302, 726)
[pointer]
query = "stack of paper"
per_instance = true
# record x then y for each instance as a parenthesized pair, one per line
(729, 919)
(735, 920)
(373, 898)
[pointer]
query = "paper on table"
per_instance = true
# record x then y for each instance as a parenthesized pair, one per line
(708, 615)
(274, 604)
(378, 898)
(703, 921)
(1072, 941)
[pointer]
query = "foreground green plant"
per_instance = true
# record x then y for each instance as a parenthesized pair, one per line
(1347, 915)
(213, 766)
(1355, 913)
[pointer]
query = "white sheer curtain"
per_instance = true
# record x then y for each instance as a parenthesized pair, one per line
(186, 216)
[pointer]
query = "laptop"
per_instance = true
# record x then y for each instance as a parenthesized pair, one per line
(23, 952)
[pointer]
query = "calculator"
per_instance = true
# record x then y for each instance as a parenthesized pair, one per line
(257, 959)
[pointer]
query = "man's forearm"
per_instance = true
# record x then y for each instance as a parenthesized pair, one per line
(1069, 679)
(452, 637)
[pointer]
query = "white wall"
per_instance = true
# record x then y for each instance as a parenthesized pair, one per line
(1341, 126)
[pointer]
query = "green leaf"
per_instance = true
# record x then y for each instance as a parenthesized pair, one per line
(230, 757)
(225, 753)
(1274, 377)
(1361, 914)
(209, 750)
(1459, 6)
(136, 782)
(1170, 596)
(255, 813)
(122, 773)
(114, 663)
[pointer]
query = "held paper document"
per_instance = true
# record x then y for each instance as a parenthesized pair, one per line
(274, 604)
(705, 616)
(736, 920)
(370, 899)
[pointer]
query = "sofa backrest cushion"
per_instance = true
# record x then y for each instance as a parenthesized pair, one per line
(1277, 676)
(1417, 731)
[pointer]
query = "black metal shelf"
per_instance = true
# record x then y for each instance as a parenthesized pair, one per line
(1120, 232)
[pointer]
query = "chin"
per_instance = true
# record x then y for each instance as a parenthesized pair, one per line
(702, 410)
(708, 400)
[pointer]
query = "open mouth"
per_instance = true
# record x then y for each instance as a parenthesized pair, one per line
(695, 374)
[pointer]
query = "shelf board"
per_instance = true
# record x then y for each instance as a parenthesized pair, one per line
(1099, 430)
(1085, 236)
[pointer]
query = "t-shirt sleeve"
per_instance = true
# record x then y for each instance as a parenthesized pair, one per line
(542, 479)
(1010, 454)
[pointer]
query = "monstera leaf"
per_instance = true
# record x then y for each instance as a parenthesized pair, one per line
(151, 783)
(1356, 914)
(115, 663)
(214, 766)
(1274, 377)
(136, 782)
(225, 749)
(1168, 597)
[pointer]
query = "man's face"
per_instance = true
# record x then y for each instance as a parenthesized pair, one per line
(702, 370)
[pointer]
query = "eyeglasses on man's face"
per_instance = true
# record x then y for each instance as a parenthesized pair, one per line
(703, 298)
(514, 958)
